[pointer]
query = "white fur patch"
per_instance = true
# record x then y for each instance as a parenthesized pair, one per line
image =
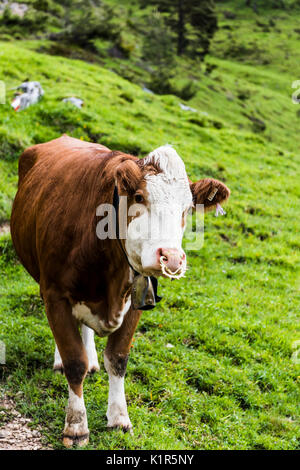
(58, 365)
(172, 185)
(117, 415)
(161, 226)
(76, 419)
(169, 161)
(89, 343)
(83, 314)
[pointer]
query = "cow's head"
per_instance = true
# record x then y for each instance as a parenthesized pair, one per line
(159, 196)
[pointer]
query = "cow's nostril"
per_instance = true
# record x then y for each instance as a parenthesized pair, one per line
(162, 255)
(159, 252)
(171, 261)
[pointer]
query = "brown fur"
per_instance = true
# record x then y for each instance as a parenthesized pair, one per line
(202, 189)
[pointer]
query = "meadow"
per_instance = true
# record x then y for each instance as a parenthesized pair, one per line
(215, 365)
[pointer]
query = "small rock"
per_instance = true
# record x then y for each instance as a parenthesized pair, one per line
(16, 435)
(78, 102)
(184, 107)
(147, 90)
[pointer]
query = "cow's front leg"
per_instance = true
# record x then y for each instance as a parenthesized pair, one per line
(75, 365)
(115, 361)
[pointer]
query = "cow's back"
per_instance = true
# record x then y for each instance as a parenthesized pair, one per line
(30, 156)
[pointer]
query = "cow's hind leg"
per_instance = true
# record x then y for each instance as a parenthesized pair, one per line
(57, 365)
(89, 343)
(75, 364)
(115, 361)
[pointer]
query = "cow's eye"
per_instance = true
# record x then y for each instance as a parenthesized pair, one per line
(138, 198)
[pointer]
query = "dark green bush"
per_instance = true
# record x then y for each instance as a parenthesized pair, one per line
(90, 23)
(187, 91)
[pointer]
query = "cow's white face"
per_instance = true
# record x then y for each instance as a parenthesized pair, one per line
(157, 216)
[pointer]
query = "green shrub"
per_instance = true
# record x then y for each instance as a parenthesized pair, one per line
(187, 91)
(90, 23)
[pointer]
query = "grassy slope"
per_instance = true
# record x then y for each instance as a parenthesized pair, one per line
(256, 63)
(229, 382)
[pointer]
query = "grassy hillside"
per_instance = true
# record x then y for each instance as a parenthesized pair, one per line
(229, 382)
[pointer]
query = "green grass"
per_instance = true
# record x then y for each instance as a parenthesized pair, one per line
(229, 382)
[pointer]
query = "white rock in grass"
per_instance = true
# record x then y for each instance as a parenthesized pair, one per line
(75, 101)
(184, 107)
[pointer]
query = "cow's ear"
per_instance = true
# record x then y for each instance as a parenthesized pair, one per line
(128, 176)
(209, 192)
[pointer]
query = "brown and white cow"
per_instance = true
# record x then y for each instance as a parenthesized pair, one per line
(86, 279)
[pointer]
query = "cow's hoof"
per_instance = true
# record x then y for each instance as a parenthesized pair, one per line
(79, 441)
(121, 428)
(120, 422)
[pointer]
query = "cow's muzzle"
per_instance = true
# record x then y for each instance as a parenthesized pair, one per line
(172, 262)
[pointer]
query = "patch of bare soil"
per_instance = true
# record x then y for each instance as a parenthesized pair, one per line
(15, 434)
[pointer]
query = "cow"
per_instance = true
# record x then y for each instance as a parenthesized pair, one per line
(87, 279)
